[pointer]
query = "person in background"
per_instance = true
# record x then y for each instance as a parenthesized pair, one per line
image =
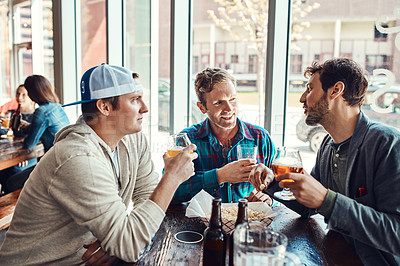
(26, 108)
(355, 182)
(46, 121)
(217, 169)
(48, 118)
(74, 208)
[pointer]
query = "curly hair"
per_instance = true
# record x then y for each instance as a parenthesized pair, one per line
(346, 71)
(206, 79)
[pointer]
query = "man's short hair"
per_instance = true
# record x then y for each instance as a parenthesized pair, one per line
(206, 79)
(346, 71)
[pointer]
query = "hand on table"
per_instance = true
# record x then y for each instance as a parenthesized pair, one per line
(261, 176)
(95, 255)
(23, 164)
(236, 172)
(307, 190)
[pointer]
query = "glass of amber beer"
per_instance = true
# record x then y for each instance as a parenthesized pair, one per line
(176, 143)
(286, 160)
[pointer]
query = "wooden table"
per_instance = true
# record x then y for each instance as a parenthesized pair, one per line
(7, 206)
(12, 152)
(308, 239)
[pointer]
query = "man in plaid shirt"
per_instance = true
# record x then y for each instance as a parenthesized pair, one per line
(217, 169)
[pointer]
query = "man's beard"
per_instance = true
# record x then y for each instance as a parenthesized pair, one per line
(318, 113)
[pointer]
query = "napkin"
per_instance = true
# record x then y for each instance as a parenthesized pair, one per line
(201, 205)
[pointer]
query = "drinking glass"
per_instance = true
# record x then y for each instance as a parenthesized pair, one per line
(5, 120)
(246, 151)
(255, 244)
(286, 160)
(177, 143)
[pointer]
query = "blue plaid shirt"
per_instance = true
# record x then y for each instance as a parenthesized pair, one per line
(211, 157)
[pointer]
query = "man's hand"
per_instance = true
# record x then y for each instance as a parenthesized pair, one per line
(24, 124)
(261, 176)
(23, 163)
(236, 172)
(177, 169)
(307, 190)
(259, 196)
(181, 166)
(95, 255)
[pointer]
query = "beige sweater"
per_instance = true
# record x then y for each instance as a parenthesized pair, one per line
(73, 196)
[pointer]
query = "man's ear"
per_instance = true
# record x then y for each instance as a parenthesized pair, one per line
(202, 107)
(336, 90)
(103, 107)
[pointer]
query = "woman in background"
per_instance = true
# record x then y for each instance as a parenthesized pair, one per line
(48, 118)
(46, 121)
(26, 108)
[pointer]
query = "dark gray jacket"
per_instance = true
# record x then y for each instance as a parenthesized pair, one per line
(370, 222)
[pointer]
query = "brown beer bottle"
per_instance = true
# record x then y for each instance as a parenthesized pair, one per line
(241, 218)
(214, 247)
(16, 119)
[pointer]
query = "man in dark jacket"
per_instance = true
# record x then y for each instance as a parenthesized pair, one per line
(355, 183)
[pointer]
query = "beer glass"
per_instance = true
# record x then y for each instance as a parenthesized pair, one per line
(177, 143)
(247, 151)
(286, 160)
(5, 120)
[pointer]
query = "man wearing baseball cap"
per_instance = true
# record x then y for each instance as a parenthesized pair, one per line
(73, 208)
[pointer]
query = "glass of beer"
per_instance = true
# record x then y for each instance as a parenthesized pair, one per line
(286, 160)
(5, 120)
(176, 143)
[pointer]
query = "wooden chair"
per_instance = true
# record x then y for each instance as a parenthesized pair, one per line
(7, 207)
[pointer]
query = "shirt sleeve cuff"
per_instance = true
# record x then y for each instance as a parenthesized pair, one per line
(211, 181)
(327, 205)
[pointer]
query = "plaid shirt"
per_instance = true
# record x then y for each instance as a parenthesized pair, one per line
(211, 157)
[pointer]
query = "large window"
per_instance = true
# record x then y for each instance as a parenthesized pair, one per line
(330, 32)
(5, 82)
(93, 33)
(233, 35)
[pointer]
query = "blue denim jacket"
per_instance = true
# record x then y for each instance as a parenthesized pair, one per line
(47, 120)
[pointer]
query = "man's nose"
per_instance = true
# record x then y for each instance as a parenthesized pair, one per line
(303, 97)
(144, 108)
(228, 106)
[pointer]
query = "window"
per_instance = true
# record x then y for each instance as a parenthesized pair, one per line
(377, 61)
(252, 63)
(379, 36)
(93, 34)
(234, 59)
(357, 38)
(296, 63)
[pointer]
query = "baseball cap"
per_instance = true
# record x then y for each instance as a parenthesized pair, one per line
(106, 81)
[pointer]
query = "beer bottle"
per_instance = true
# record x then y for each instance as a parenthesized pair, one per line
(241, 218)
(214, 247)
(16, 119)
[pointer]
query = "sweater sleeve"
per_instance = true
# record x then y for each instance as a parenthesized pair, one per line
(93, 203)
(146, 178)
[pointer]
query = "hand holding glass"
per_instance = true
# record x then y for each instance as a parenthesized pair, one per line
(177, 143)
(286, 160)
